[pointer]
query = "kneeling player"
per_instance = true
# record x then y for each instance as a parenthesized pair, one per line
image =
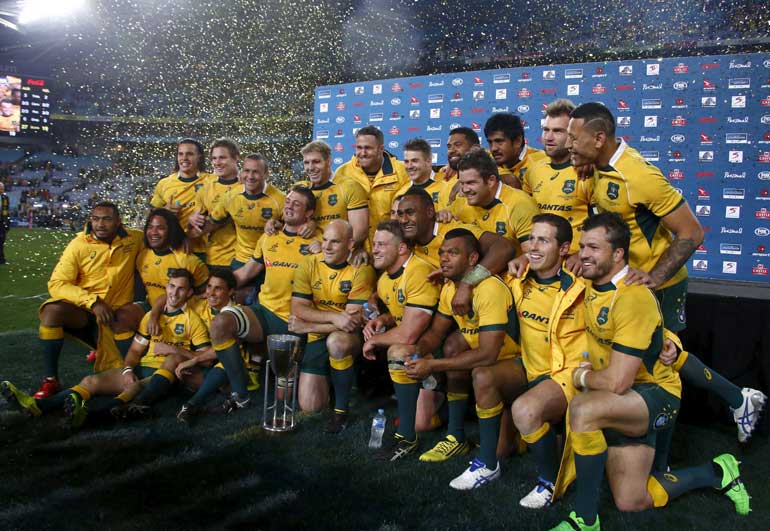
(327, 303)
(631, 400)
(183, 335)
(490, 333)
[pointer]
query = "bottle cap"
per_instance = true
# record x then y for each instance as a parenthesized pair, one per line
(381, 411)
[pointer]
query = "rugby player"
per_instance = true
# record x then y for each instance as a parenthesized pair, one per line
(345, 200)
(549, 304)
(89, 300)
(630, 400)
(664, 234)
(279, 256)
(179, 191)
(553, 182)
(327, 303)
(487, 351)
(409, 300)
(417, 161)
(151, 357)
(461, 140)
(378, 172)
(505, 136)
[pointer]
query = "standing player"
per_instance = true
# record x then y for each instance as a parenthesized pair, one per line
(625, 183)
(345, 200)
(488, 350)
(326, 303)
(553, 182)
(379, 173)
(279, 256)
(505, 136)
(461, 141)
(417, 161)
(410, 301)
(91, 290)
(178, 192)
(631, 399)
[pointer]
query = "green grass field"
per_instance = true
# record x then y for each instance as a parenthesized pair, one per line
(227, 473)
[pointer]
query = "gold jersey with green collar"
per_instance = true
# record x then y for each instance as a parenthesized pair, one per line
(90, 270)
(332, 287)
(528, 157)
(491, 309)
(201, 306)
(433, 187)
(640, 193)
(380, 188)
(334, 200)
(220, 248)
(281, 254)
(557, 190)
(627, 318)
(182, 328)
(429, 251)
(154, 268)
(509, 214)
(408, 288)
(182, 193)
(534, 313)
(445, 198)
(249, 214)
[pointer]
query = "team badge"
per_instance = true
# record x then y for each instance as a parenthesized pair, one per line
(303, 248)
(569, 186)
(434, 196)
(267, 213)
(198, 186)
(400, 296)
(179, 329)
(603, 315)
(613, 190)
(332, 199)
(500, 228)
(346, 286)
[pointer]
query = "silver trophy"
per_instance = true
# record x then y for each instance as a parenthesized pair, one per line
(284, 355)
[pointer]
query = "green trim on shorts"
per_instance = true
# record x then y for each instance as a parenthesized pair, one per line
(539, 379)
(315, 360)
(270, 323)
(673, 301)
(235, 265)
(663, 408)
(144, 305)
(143, 371)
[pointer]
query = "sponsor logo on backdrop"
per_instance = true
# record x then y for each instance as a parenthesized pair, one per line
(681, 68)
(435, 113)
(735, 157)
(651, 156)
(323, 107)
(677, 139)
(626, 70)
(700, 265)
(340, 106)
(730, 268)
(501, 78)
(358, 90)
(377, 89)
(736, 138)
(573, 73)
(623, 121)
(501, 94)
(762, 213)
(524, 93)
(655, 138)
(738, 65)
(478, 95)
(653, 69)
(435, 98)
(573, 90)
(730, 248)
(549, 75)
(679, 121)
(733, 193)
(651, 121)
(457, 82)
(708, 101)
(762, 232)
(395, 87)
(732, 212)
(652, 104)
(598, 89)
(323, 94)
(393, 144)
(703, 210)
(680, 85)
(652, 86)
(739, 83)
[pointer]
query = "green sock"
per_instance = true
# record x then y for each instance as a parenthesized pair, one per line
(407, 394)
(677, 482)
(694, 372)
(546, 454)
(236, 370)
(216, 378)
(489, 432)
(51, 350)
(457, 403)
(342, 381)
(55, 402)
(155, 388)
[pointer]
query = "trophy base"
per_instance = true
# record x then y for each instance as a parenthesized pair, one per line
(278, 426)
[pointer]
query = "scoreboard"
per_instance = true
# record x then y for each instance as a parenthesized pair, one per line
(704, 121)
(25, 106)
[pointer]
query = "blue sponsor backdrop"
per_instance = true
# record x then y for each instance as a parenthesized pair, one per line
(704, 121)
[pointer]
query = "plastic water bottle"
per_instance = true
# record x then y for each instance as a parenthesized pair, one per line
(369, 312)
(430, 383)
(378, 429)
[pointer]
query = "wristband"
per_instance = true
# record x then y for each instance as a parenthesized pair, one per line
(127, 370)
(476, 275)
(582, 379)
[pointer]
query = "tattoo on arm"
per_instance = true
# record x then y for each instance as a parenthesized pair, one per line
(673, 259)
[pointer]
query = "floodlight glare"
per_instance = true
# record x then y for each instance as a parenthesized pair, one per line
(35, 10)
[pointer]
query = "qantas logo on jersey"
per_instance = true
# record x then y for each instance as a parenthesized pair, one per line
(534, 317)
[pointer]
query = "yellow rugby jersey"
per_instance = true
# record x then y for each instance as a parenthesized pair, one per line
(432, 186)
(429, 251)
(90, 269)
(491, 309)
(640, 193)
(182, 192)
(509, 214)
(557, 190)
(154, 268)
(381, 188)
(201, 306)
(182, 328)
(627, 319)
(534, 313)
(408, 287)
(528, 157)
(220, 249)
(281, 255)
(445, 199)
(249, 214)
(334, 200)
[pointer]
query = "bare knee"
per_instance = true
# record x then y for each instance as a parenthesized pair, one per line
(222, 328)
(53, 314)
(527, 414)
(483, 379)
(398, 352)
(341, 345)
(453, 345)
(583, 413)
(628, 502)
